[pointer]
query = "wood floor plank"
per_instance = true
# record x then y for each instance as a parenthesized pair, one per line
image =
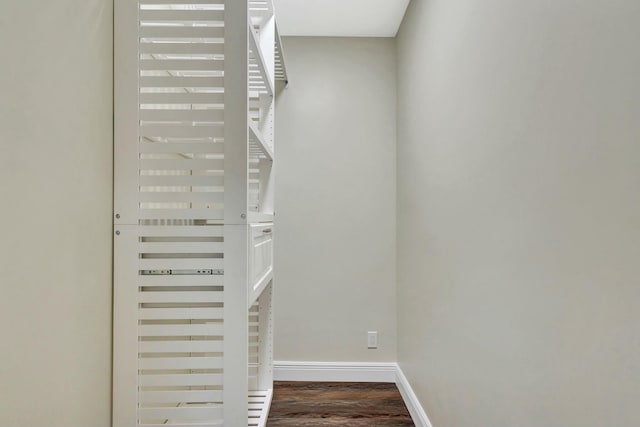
(325, 404)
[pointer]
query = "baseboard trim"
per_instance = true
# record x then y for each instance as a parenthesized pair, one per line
(354, 372)
(418, 415)
(335, 371)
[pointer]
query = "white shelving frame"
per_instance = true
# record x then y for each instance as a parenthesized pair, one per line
(194, 214)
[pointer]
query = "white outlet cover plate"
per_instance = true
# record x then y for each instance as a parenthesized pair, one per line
(372, 339)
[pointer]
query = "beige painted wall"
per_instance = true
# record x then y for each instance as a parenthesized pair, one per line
(56, 192)
(335, 201)
(519, 211)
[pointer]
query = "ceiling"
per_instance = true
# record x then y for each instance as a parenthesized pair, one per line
(340, 18)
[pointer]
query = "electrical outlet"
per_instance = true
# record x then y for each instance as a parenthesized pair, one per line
(372, 339)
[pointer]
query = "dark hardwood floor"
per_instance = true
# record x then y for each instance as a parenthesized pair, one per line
(320, 404)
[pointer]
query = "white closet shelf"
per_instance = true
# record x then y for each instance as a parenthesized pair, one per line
(259, 404)
(181, 189)
(280, 67)
(256, 217)
(189, 2)
(259, 288)
(257, 141)
(260, 81)
(260, 11)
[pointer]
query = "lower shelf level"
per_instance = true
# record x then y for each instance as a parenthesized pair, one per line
(259, 404)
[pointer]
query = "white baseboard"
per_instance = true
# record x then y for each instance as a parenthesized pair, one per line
(335, 371)
(354, 372)
(418, 415)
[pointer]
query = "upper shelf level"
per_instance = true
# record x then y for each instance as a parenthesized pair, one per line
(261, 12)
(281, 69)
(260, 78)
